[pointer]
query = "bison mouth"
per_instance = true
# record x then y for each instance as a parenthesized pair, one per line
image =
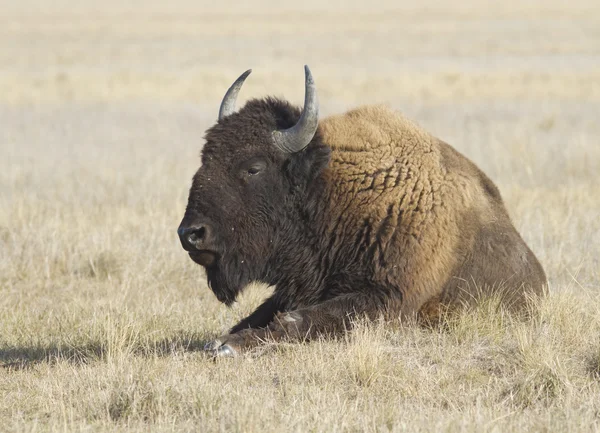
(206, 258)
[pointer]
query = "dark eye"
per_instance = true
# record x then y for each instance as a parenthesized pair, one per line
(254, 170)
(253, 167)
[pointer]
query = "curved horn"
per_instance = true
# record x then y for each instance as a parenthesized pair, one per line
(297, 137)
(228, 103)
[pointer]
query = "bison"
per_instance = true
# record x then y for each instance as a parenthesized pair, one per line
(358, 214)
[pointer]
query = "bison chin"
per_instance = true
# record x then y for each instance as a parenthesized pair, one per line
(227, 278)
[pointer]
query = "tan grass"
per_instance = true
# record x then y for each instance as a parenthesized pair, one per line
(102, 316)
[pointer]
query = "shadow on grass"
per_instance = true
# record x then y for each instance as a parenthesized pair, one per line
(24, 357)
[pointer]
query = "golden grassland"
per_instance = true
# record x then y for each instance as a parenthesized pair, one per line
(102, 316)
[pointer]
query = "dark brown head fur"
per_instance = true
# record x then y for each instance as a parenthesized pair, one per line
(249, 193)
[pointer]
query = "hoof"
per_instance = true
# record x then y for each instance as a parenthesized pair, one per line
(218, 349)
(226, 351)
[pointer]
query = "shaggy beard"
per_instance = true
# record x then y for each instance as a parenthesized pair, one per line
(227, 278)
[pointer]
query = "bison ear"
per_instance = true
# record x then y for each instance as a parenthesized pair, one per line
(306, 165)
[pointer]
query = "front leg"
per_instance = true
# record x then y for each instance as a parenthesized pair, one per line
(245, 334)
(233, 344)
(331, 317)
(260, 318)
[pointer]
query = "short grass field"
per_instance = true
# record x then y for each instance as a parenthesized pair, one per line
(103, 107)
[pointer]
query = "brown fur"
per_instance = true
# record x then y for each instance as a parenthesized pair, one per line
(443, 228)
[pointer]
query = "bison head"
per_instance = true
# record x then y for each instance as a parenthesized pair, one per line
(251, 193)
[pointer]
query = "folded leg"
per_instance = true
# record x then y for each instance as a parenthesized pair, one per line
(331, 317)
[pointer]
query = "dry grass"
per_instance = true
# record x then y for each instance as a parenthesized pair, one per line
(102, 112)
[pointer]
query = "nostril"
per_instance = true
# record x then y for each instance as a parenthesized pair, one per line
(196, 235)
